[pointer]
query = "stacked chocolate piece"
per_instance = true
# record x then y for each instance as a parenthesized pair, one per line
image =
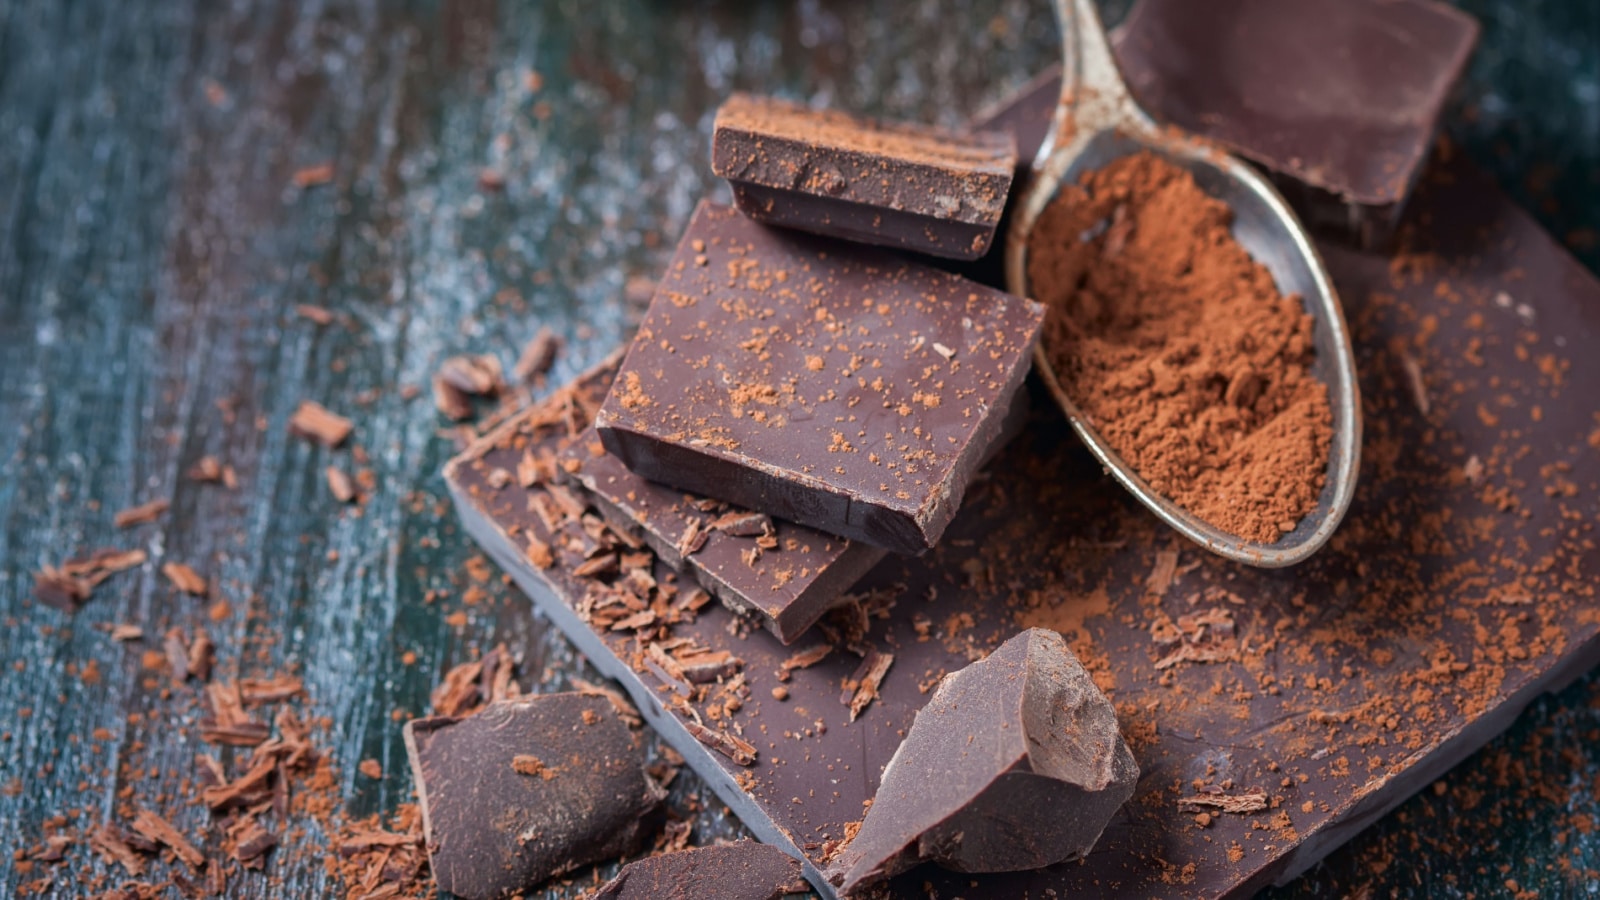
(797, 432)
(796, 406)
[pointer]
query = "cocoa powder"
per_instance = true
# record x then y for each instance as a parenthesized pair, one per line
(1179, 349)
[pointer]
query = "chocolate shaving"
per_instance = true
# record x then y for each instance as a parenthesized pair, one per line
(185, 578)
(141, 514)
(251, 842)
(340, 485)
(315, 422)
(161, 831)
(619, 703)
(202, 653)
(475, 375)
(861, 688)
(318, 314)
(68, 587)
(693, 539)
(537, 356)
(114, 848)
(741, 523)
(176, 646)
(1253, 802)
(256, 691)
(740, 751)
(804, 659)
(124, 632)
(1166, 568)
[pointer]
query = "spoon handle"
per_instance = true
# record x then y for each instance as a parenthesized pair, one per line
(1093, 85)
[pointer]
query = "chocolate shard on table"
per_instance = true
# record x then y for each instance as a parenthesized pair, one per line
(1461, 587)
(910, 187)
(786, 575)
(831, 385)
(1016, 763)
(529, 788)
(1340, 101)
(740, 871)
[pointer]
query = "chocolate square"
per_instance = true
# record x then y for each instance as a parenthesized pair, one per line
(835, 386)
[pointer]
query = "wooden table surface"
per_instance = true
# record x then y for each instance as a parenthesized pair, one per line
(153, 247)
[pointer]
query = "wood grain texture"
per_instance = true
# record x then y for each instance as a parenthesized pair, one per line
(153, 247)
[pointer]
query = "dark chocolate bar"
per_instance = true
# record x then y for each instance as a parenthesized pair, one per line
(1340, 101)
(742, 871)
(784, 574)
(529, 788)
(1273, 713)
(905, 186)
(834, 386)
(1016, 763)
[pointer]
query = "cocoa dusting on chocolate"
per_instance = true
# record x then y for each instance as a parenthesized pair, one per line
(1179, 349)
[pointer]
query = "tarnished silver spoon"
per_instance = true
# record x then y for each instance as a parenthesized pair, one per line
(1097, 122)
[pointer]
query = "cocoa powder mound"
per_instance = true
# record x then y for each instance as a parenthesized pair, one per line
(1179, 349)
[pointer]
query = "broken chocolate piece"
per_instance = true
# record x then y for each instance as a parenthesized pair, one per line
(315, 422)
(832, 386)
(788, 587)
(1340, 101)
(742, 871)
(1016, 763)
(906, 186)
(493, 831)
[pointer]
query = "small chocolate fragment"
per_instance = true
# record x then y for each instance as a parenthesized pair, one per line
(1016, 763)
(316, 422)
(899, 185)
(789, 585)
(1340, 101)
(742, 871)
(830, 385)
(492, 831)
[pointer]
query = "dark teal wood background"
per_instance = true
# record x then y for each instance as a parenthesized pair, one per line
(152, 249)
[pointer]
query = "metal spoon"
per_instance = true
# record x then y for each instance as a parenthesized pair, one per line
(1096, 122)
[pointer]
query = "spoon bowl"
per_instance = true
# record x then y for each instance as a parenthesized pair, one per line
(1098, 122)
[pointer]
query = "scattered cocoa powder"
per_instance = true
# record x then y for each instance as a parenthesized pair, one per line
(1179, 349)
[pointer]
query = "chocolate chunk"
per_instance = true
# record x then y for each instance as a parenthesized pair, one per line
(742, 871)
(1016, 763)
(899, 185)
(493, 831)
(830, 385)
(788, 587)
(1340, 101)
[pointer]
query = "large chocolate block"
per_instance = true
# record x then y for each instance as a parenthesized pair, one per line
(834, 386)
(1339, 101)
(1274, 713)
(899, 185)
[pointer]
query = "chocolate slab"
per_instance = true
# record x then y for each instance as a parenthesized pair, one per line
(784, 574)
(898, 185)
(529, 788)
(1016, 763)
(1341, 100)
(742, 871)
(1308, 701)
(834, 386)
